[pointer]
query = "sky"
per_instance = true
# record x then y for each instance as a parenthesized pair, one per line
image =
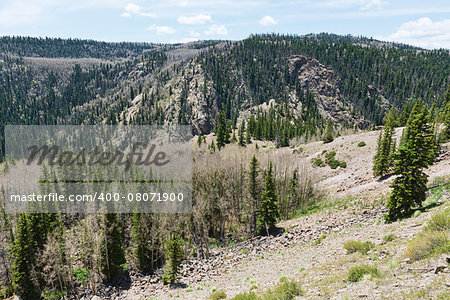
(416, 22)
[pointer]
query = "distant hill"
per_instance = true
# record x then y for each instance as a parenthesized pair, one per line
(352, 80)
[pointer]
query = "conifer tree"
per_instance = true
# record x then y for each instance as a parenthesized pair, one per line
(113, 256)
(328, 136)
(222, 132)
(268, 213)
(445, 135)
(241, 139)
(233, 138)
(413, 155)
(253, 191)
(247, 136)
(383, 157)
(24, 251)
(174, 255)
(141, 224)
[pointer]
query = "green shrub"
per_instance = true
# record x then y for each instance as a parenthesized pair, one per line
(81, 275)
(433, 240)
(320, 239)
(174, 253)
(389, 238)
(52, 294)
(428, 244)
(333, 164)
(318, 162)
(357, 273)
(287, 290)
(439, 222)
(218, 295)
(244, 251)
(358, 246)
(246, 296)
(361, 144)
(7, 292)
(330, 155)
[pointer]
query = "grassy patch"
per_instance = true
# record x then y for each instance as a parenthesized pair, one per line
(439, 222)
(320, 239)
(246, 296)
(389, 237)
(357, 273)
(393, 264)
(358, 246)
(341, 203)
(428, 244)
(286, 290)
(244, 251)
(218, 295)
(433, 240)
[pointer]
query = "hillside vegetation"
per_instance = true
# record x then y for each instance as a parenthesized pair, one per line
(286, 133)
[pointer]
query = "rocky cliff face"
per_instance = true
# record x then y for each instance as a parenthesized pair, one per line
(188, 92)
(325, 86)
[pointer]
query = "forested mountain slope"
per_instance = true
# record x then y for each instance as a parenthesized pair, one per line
(280, 91)
(353, 81)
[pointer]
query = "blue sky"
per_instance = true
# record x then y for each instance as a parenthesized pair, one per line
(416, 22)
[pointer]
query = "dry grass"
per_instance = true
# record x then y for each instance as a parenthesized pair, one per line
(357, 273)
(433, 240)
(358, 246)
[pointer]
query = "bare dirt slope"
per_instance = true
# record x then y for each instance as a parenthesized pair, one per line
(311, 248)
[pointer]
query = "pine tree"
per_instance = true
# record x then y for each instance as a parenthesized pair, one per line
(247, 136)
(268, 213)
(141, 224)
(445, 135)
(222, 132)
(233, 138)
(212, 147)
(24, 251)
(383, 157)
(328, 136)
(241, 139)
(174, 255)
(413, 155)
(113, 256)
(253, 189)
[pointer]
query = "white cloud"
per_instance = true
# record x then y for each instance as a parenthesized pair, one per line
(217, 29)
(363, 4)
(133, 9)
(162, 30)
(424, 33)
(195, 20)
(369, 4)
(267, 21)
(183, 3)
